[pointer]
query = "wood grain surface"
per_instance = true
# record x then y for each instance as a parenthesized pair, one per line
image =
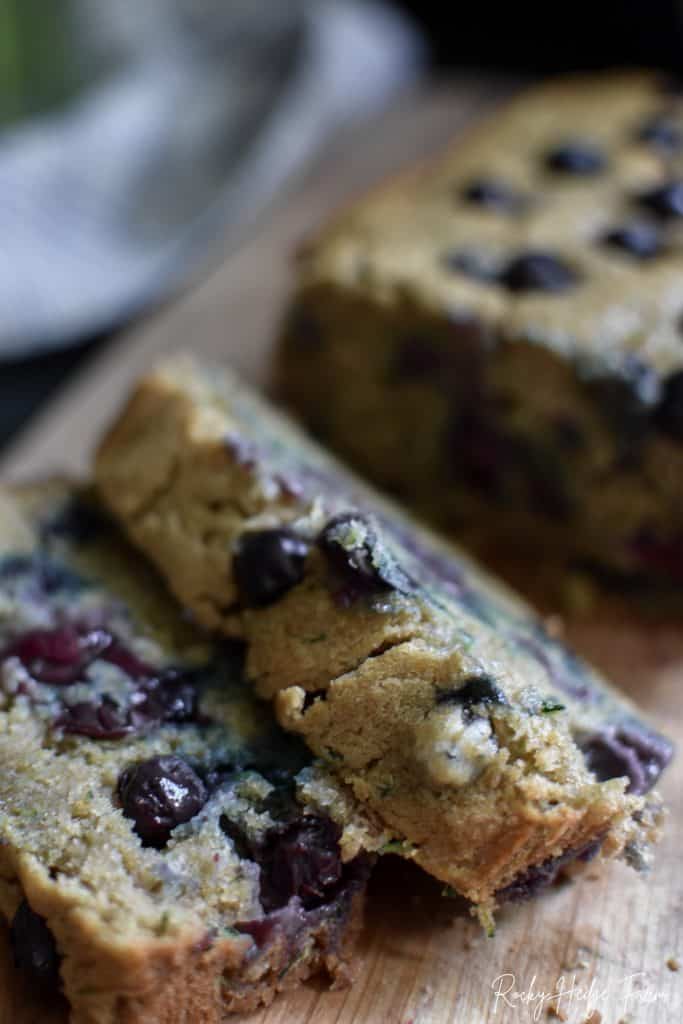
(604, 949)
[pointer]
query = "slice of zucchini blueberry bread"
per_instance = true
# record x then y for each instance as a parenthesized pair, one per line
(490, 751)
(496, 337)
(158, 858)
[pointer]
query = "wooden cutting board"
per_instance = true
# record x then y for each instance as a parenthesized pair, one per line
(608, 945)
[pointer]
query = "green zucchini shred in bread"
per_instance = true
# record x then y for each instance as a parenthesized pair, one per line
(497, 337)
(490, 752)
(159, 859)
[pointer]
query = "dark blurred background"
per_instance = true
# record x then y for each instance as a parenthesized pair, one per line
(549, 37)
(103, 217)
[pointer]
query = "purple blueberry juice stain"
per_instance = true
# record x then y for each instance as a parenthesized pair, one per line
(567, 672)
(631, 750)
(432, 569)
(116, 653)
(541, 876)
(67, 653)
(58, 656)
(360, 565)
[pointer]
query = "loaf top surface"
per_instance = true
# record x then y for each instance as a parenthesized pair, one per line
(148, 802)
(435, 693)
(558, 220)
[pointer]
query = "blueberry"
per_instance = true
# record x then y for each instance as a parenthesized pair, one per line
(474, 263)
(637, 238)
(62, 655)
(103, 720)
(538, 270)
(261, 929)
(575, 157)
(669, 414)
(359, 563)
(567, 673)
(539, 876)
(475, 690)
(492, 193)
(158, 795)
(630, 750)
(167, 697)
(58, 656)
(661, 132)
(268, 563)
(665, 201)
(170, 697)
(300, 859)
(34, 949)
(129, 663)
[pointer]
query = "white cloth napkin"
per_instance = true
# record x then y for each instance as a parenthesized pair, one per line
(201, 110)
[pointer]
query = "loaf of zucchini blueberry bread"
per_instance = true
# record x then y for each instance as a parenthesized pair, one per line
(498, 337)
(159, 859)
(491, 753)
